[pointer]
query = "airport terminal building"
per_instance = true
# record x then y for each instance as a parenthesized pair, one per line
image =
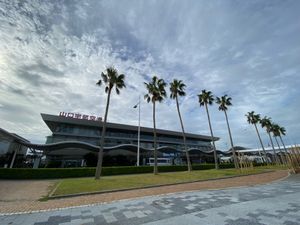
(75, 135)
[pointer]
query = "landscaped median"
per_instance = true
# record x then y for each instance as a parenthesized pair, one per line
(75, 186)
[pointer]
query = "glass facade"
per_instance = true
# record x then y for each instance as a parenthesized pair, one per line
(123, 140)
(113, 137)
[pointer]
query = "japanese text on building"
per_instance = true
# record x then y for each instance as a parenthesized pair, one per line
(80, 116)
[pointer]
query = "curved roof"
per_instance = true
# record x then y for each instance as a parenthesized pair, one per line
(130, 147)
(61, 145)
(78, 144)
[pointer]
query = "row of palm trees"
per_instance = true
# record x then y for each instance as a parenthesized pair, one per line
(156, 93)
(206, 98)
(271, 128)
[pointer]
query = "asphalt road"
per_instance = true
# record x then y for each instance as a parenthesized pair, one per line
(271, 204)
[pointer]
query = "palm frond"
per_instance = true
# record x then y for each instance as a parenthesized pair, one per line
(156, 89)
(99, 83)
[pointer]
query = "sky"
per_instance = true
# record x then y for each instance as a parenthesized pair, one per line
(53, 52)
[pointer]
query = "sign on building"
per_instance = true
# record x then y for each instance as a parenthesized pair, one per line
(80, 116)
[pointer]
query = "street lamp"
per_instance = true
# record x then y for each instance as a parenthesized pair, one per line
(139, 131)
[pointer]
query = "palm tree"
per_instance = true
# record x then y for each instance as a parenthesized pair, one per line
(282, 131)
(253, 118)
(275, 128)
(224, 102)
(156, 93)
(206, 98)
(177, 89)
(111, 79)
(267, 123)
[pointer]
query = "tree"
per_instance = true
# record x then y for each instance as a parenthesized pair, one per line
(275, 129)
(156, 93)
(206, 98)
(111, 79)
(266, 122)
(177, 89)
(282, 131)
(224, 102)
(253, 118)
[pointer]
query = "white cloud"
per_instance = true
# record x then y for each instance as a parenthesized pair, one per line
(52, 55)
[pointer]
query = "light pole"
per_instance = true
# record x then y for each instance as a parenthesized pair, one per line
(139, 131)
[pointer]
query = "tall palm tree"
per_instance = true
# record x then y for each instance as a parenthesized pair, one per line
(177, 89)
(275, 128)
(156, 93)
(111, 79)
(253, 118)
(224, 102)
(266, 122)
(282, 131)
(206, 98)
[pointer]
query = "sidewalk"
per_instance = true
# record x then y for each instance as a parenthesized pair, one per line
(27, 202)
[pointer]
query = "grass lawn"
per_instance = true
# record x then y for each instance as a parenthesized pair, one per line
(83, 185)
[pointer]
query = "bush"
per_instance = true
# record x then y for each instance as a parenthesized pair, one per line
(53, 173)
(226, 166)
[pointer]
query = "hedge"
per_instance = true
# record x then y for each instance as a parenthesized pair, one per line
(53, 173)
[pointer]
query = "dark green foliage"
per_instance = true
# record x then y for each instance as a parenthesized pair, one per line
(226, 166)
(53, 173)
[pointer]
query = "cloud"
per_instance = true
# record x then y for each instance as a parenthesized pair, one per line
(52, 54)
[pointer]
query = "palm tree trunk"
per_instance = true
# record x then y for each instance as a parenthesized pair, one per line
(184, 138)
(281, 155)
(155, 170)
(285, 150)
(275, 155)
(261, 143)
(231, 142)
(212, 138)
(100, 153)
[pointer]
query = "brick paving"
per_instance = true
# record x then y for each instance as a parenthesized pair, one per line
(273, 203)
(24, 190)
(27, 205)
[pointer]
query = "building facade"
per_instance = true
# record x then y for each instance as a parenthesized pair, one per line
(120, 140)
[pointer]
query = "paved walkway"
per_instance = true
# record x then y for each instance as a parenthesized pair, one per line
(26, 202)
(23, 190)
(273, 203)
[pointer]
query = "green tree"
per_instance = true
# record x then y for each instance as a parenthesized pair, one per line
(266, 122)
(177, 89)
(282, 131)
(224, 102)
(253, 118)
(206, 98)
(112, 80)
(156, 93)
(275, 129)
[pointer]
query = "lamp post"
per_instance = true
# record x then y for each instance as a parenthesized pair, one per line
(139, 131)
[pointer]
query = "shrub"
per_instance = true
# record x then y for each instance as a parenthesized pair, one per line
(226, 165)
(53, 173)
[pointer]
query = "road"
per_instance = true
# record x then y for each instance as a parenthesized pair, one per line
(271, 204)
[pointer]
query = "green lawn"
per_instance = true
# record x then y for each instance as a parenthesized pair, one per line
(83, 185)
